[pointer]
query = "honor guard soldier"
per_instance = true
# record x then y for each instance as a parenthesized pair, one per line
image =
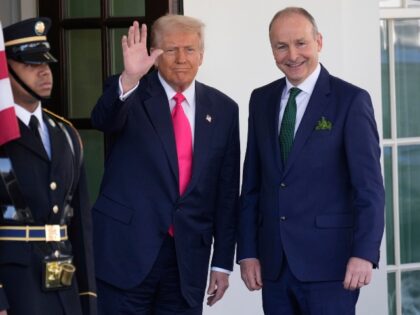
(46, 264)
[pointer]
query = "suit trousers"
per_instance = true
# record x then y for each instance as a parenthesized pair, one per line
(159, 294)
(289, 296)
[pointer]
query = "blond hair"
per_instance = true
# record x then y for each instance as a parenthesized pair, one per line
(173, 23)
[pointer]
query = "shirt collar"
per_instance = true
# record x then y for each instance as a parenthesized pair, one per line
(308, 85)
(25, 115)
(189, 92)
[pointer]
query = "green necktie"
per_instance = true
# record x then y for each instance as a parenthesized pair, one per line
(287, 128)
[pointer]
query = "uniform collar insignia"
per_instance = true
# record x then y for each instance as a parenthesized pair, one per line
(51, 122)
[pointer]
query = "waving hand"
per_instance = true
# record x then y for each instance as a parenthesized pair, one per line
(137, 61)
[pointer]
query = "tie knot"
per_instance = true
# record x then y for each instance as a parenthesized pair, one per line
(33, 122)
(293, 92)
(179, 97)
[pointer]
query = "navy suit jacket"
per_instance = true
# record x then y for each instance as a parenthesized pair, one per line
(139, 196)
(327, 203)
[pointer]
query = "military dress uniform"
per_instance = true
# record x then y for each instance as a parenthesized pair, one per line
(45, 221)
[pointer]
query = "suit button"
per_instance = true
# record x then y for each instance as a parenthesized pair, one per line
(53, 185)
(282, 218)
(55, 209)
(282, 185)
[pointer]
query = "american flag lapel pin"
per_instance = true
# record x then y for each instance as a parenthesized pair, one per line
(208, 118)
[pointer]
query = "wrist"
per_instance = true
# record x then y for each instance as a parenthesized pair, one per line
(128, 81)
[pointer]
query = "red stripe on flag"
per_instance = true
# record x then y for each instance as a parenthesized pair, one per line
(9, 127)
(4, 73)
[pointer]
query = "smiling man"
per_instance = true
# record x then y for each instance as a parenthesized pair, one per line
(312, 203)
(171, 183)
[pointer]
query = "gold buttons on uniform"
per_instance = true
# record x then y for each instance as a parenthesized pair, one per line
(55, 209)
(53, 185)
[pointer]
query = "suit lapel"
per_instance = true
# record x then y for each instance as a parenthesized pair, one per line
(274, 111)
(28, 140)
(314, 110)
(157, 108)
(204, 117)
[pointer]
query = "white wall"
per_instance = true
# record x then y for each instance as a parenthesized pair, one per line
(238, 59)
(12, 11)
(28, 9)
(9, 12)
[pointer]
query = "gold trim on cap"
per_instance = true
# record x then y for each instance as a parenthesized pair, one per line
(25, 40)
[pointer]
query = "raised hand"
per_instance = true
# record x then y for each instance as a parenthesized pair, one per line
(137, 60)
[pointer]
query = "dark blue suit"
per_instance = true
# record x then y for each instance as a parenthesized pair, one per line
(327, 203)
(140, 198)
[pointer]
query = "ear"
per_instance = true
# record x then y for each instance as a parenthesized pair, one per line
(201, 56)
(319, 41)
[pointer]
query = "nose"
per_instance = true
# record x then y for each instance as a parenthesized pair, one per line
(293, 53)
(180, 56)
(44, 69)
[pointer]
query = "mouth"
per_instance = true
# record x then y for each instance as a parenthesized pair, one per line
(294, 65)
(46, 85)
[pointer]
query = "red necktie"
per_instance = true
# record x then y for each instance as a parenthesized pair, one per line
(183, 139)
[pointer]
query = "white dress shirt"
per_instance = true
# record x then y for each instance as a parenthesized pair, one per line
(302, 98)
(188, 105)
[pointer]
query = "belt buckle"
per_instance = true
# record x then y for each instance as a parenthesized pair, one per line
(52, 233)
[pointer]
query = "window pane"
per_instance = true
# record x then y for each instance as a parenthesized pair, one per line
(127, 8)
(389, 3)
(409, 202)
(410, 292)
(93, 145)
(392, 307)
(117, 64)
(390, 250)
(82, 8)
(84, 71)
(407, 57)
(413, 3)
(386, 107)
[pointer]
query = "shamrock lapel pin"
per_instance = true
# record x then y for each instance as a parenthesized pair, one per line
(323, 124)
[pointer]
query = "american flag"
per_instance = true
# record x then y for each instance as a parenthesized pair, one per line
(9, 127)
